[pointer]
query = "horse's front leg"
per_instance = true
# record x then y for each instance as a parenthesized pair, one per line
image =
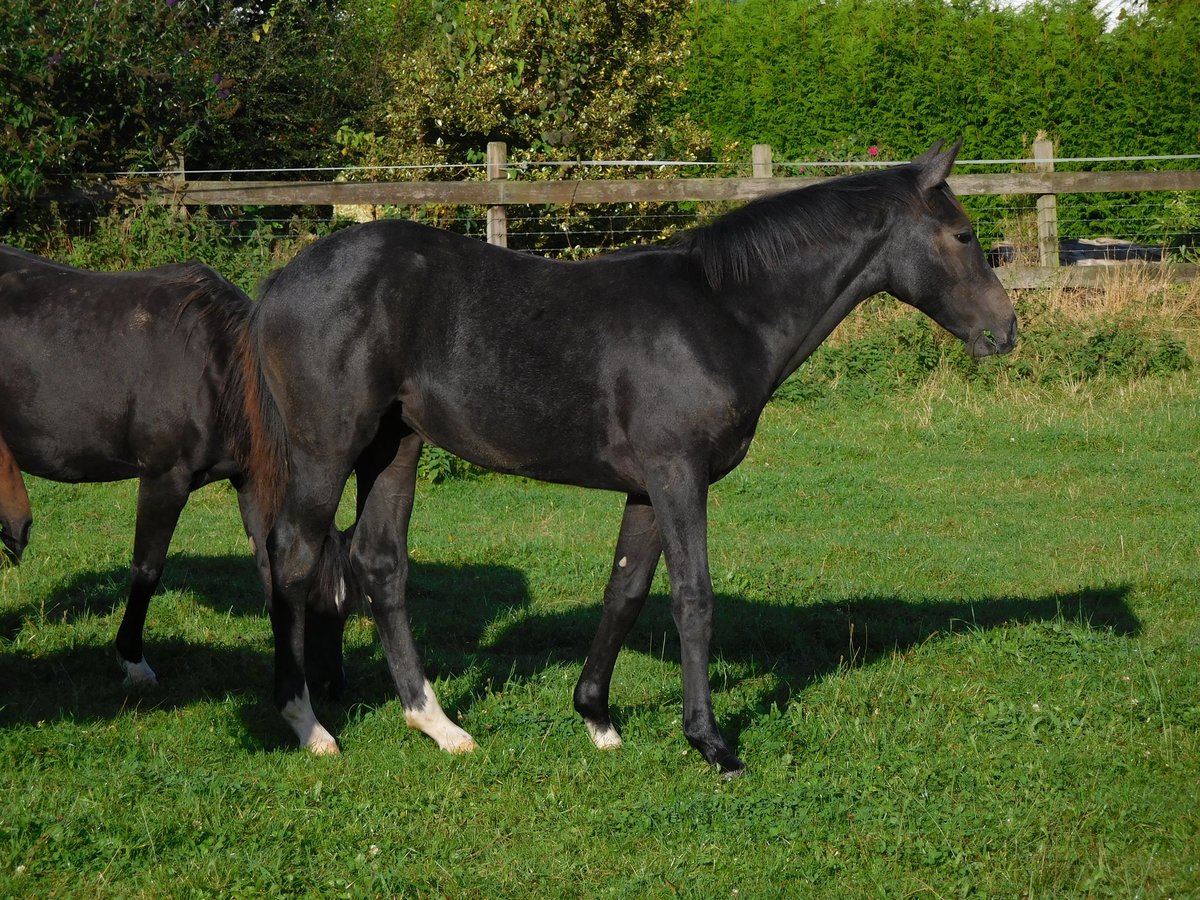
(680, 501)
(160, 501)
(379, 556)
(638, 549)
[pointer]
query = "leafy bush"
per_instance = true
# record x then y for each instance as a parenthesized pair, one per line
(558, 80)
(134, 85)
(437, 465)
(156, 234)
(92, 87)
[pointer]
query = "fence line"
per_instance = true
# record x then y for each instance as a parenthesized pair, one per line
(504, 186)
(525, 165)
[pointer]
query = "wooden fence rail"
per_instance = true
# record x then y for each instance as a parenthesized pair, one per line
(504, 187)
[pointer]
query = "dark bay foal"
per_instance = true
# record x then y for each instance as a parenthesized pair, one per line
(641, 372)
(108, 376)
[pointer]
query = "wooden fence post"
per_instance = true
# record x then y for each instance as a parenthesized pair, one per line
(760, 157)
(497, 217)
(1047, 205)
(174, 182)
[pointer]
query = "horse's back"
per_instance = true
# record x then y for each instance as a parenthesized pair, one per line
(112, 375)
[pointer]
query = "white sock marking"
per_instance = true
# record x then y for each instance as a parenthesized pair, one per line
(299, 714)
(604, 737)
(429, 718)
(139, 674)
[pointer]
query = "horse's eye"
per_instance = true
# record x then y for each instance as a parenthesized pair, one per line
(963, 237)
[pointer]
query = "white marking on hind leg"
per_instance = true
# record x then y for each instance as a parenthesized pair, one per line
(139, 674)
(299, 714)
(339, 598)
(429, 718)
(605, 737)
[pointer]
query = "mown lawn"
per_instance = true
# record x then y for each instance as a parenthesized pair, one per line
(957, 646)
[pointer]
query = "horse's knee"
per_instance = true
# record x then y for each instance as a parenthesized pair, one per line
(144, 578)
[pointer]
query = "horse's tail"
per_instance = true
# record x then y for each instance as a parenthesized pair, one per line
(259, 435)
(333, 596)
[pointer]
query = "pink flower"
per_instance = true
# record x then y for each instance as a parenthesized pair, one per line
(872, 151)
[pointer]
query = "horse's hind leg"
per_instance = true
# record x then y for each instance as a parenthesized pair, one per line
(638, 550)
(379, 554)
(325, 613)
(294, 547)
(160, 501)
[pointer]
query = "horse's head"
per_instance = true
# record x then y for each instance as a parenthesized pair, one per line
(938, 266)
(16, 515)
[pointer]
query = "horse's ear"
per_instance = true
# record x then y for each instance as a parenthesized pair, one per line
(935, 165)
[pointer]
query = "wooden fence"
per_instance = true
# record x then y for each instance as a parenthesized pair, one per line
(503, 187)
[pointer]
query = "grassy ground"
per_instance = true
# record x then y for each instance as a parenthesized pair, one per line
(956, 644)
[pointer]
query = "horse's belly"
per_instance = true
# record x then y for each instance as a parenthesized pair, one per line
(542, 451)
(67, 465)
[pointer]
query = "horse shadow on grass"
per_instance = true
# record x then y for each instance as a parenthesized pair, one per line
(476, 619)
(797, 644)
(84, 681)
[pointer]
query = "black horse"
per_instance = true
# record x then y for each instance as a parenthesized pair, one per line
(16, 516)
(641, 372)
(107, 376)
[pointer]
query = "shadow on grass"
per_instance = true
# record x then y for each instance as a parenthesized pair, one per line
(799, 644)
(453, 609)
(225, 583)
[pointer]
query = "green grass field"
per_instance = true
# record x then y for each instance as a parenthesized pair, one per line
(956, 644)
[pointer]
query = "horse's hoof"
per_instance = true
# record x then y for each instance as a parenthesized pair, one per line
(139, 674)
(730, 766)
(461, 743)
(605, 737)
(324, 748)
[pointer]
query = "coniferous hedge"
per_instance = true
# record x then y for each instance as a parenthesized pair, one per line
(831, 79)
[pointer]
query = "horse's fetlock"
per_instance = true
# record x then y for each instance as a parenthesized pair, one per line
(591, 701)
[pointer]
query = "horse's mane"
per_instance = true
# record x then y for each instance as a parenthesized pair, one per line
(767, 231)
(207, 296)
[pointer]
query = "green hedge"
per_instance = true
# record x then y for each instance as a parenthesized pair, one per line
(832, 79)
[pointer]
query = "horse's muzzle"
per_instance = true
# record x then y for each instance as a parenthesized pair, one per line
(12, 550)
(988, 343)
(12, 544)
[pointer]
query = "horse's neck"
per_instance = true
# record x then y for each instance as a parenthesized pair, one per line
(801, 306)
